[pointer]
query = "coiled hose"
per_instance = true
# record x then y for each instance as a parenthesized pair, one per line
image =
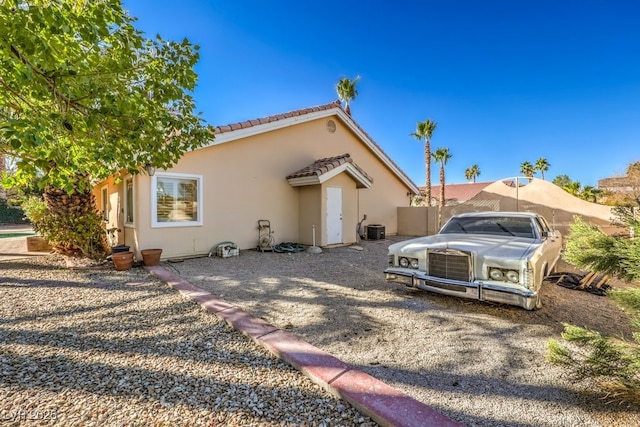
(289, 247)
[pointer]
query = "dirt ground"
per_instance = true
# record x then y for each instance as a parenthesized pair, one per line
(581, 308)
(482, 364)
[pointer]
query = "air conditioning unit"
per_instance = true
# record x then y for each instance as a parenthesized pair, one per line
(375, 232)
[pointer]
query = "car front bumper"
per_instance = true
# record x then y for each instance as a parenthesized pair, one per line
(479, 290)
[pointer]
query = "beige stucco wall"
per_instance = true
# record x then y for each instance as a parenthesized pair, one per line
(417, 221)
(245, 181)
(310, 214)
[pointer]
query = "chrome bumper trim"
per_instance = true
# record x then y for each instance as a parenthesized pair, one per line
(482, 291)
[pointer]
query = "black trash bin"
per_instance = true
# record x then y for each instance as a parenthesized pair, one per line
(375, 232)
(119, 248)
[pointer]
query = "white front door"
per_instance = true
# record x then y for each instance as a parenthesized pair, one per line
(334, 215)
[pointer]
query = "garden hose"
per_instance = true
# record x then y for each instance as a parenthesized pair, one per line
(288, 247)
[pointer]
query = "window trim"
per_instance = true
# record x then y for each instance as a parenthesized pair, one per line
(154, 200)
(126, 201)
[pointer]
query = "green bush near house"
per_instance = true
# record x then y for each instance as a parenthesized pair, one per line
(11, 214)
(76, 233)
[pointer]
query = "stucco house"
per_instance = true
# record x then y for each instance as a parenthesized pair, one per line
(314, 167)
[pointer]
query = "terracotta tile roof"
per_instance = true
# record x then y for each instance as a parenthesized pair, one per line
(457, 192)
(322, 166)
(275, 117)
(335, 104)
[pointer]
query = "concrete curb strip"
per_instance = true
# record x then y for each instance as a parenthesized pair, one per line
(384, 404)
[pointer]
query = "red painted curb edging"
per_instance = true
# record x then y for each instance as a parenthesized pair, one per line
(384, 404)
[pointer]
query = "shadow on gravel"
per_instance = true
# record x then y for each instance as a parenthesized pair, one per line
(340, 302)
(165, 354)
(477, 385)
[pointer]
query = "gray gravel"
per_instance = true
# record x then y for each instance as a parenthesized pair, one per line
(99, 347)
(480, 364)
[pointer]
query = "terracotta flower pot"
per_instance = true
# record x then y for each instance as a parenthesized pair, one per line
(151, 256)
(122, 260)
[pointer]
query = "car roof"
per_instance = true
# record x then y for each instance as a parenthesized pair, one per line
(496, 213)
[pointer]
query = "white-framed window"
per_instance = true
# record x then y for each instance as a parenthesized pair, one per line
(176, 200)
(129, 197)
(104, 202)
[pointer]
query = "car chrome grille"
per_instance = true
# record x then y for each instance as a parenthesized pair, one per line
(448, 264)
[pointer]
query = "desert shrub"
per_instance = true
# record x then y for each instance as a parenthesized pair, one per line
(590, 248)
(613, 362)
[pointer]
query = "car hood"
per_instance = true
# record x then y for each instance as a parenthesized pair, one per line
(480, 244)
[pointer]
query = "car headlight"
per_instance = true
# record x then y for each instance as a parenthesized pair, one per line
(504, 275)
(512, 276)
(408, 262)
(496, 274)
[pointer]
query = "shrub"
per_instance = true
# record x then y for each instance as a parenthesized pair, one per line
(71, 234)
(613, 362)
(11, 214)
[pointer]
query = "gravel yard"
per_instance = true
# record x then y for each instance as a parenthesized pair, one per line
(480, 364)
(99, 347)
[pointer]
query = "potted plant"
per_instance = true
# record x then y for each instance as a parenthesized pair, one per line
(151, 256)
(122, 260)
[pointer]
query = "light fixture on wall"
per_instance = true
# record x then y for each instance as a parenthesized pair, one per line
(150, 169)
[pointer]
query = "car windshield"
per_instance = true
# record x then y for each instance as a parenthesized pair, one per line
(497, 225)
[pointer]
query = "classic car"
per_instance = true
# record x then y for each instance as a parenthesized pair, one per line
(488, 256)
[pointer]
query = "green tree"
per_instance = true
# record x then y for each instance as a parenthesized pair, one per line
(347, 91)
(424, 131)
(472, 172)
(574, 188)
(527, 169)
(442, 156)
(562, 181)
(84, 95)
(615, 363)
(590, 193)
(542, 165)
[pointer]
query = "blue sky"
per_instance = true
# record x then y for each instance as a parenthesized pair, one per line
(507, 81)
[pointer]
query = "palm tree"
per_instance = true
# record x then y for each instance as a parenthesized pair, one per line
(590, 194)
(542, 165)
(574, 188)
(441, 156)
(472, 172)
(424, 130)
(346, 89)
(527, 169)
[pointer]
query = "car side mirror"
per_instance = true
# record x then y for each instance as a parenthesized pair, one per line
(550, 234)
